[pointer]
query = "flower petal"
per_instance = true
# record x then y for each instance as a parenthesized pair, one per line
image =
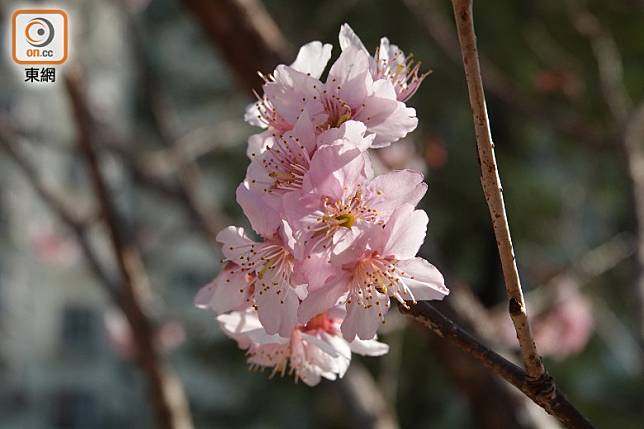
(423, 279)
(323, 298)
(404, 233)
(313, 58)
(391, 190)
(385, 116)
(348, 38)
(369, 347)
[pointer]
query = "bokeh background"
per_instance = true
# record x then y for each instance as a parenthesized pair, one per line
(160, 88)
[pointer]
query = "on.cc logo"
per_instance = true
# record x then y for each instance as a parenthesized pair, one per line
(39, 36)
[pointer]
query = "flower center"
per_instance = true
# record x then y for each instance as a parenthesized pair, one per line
(346, 220)
(338, 112)
(286, 163)
(321, 322)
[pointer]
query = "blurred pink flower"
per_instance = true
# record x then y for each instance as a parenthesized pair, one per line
(560, 330)
(54, 248)
(566, 327)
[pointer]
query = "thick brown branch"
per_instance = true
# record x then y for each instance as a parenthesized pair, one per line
(167, 395)
(541, 391)
(246, 35)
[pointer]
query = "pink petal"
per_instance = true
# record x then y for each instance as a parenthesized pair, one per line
(404, 232)
(276, 306)
(252, 116)
(364, 322)
(235, 243)
(313, 58)
(350, 78)
(290, 91)
(257, 143)
(264, 218)
(423, 279)
(385, 116)
(391, 190)
(348, 38)
(336, 168)
(323, 298)
(351, 131)
(204, 296)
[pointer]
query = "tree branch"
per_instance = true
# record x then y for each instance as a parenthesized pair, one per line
(246, 35)
(167, 395)
(542, 391)
(492, 188)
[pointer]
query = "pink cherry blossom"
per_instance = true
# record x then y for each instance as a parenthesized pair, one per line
(267, 270)
(283, 165)
(389, 62)
(340, 204)
(351, 91)
(336, 242)
(379, 265)
(312, 350)
(230, 290)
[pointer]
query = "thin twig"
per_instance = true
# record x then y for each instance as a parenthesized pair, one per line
(167, 395)
(610, 69)
(542, 392)
(634, 142)
(492, 188)
(78, 226)
(188, 172)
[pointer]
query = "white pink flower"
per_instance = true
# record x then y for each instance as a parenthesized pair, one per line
(356, 88)
(389, 62)
(336, 242)
(263, 271)
(380, 264)
(312, 351)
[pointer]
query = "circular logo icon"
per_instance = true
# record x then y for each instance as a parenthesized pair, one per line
(39, 32)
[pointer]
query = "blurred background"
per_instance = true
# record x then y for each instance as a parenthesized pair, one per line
(154, 95)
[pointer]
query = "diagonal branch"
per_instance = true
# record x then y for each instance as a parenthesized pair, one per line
(542, 391)
(58, 207)
(167, 395)
(246, 35)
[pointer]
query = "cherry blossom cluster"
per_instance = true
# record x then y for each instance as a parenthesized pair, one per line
(336, 242)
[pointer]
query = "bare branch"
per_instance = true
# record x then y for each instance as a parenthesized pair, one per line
(79, 227)
(167, 394)
(542, 391)
(492, 188)
(634, 143)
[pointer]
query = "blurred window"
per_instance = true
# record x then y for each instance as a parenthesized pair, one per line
(73, 409)
(79, 327)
